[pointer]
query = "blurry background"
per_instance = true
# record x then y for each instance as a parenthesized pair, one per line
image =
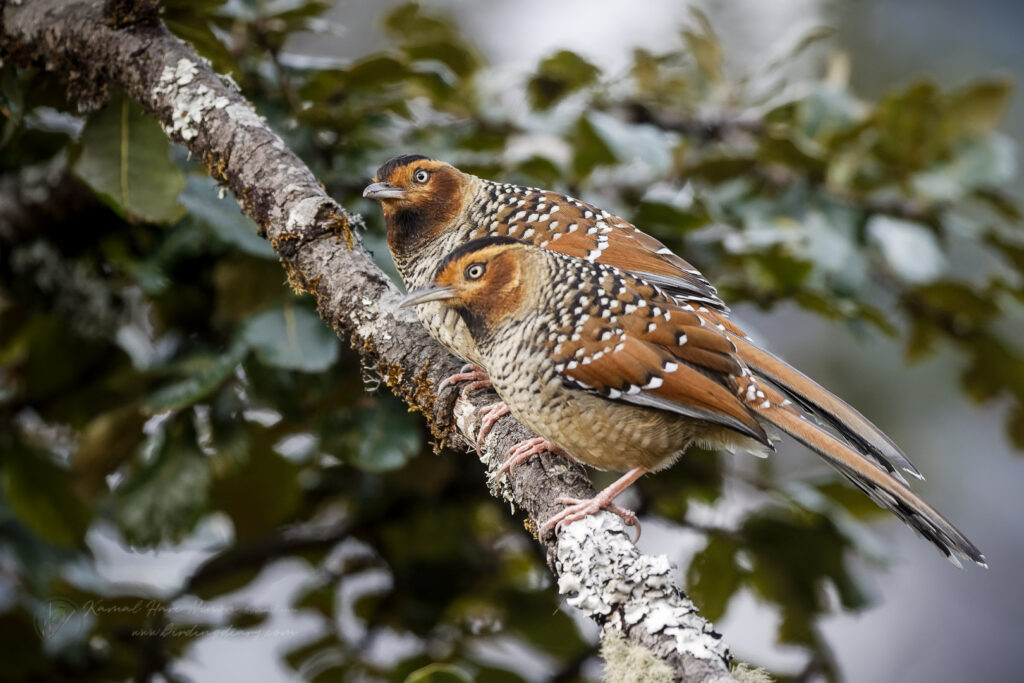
(196, 485)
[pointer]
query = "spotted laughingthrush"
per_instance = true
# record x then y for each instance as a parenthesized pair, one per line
(431, 207)
(578, 349)
(604, 331)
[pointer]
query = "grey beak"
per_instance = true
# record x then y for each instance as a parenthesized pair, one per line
(424, 294)
(383, 191)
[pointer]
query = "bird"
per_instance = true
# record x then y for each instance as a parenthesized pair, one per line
(430, 208)
(623, 375)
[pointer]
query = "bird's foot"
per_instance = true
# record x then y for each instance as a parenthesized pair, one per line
(579, 508)
(488, 417)
(469, 372)
(525, 450)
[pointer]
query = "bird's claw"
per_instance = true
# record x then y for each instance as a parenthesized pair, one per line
(488, 416)
(578, 508)
(524, 450)
(521, 452)
(469, 372)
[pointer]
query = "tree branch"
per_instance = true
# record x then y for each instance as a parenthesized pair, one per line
(597, 567)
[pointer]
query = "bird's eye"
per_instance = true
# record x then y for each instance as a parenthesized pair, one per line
(421, 176)
(475, 271)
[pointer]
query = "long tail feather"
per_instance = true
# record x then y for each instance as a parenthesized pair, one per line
(883, 488)
(821, 403)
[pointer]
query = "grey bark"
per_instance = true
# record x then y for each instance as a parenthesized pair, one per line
(98, 44)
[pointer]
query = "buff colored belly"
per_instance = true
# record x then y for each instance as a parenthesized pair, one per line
(583, 426)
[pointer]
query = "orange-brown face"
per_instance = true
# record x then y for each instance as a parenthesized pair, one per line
(484, 279)
(419, 197)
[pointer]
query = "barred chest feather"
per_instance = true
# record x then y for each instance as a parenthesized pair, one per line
(521, 364)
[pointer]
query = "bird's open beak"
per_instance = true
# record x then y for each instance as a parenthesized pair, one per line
(424, 294)
(383, 191)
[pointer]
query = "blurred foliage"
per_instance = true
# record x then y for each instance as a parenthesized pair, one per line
(161, 388)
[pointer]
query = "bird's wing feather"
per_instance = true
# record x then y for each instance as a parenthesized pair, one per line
(630, 349)
(570, 226)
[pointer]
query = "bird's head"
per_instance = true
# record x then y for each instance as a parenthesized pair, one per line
(419, 197)
(486, 280)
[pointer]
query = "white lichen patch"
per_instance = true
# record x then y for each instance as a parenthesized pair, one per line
(602, 573)
(243, 115)
(370, 321)
(189, 104)
(180, 74)
(302, 215)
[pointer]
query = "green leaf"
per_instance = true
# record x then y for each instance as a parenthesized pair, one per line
(792, 151)
(124, 157)
(1012, 250)
(590, 149)
(671, 220)
(267, 472)
(325, 648)
(181, 20)
(41, 495)
(628, 142)
(438, 673)
(908, 127)
(977, 109)
(247, 286)
(375, 71)
(716, 169)
(557, 76)
(713, 576)
(389, 437)
(211, 373)
(995, 367)
(459, 58)
(984, 163)
(827, 110)
(794, 553)
(532, 618)
(540, 170)
(318, 598)
(223, 217)
(968, 307)
(910, 249)
(1001, 203)
(166, 499)
(784, 54)
(852, 499)
(704, 46)
(411, 23)
(108, 440)
(293, 338)
(774, 270)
